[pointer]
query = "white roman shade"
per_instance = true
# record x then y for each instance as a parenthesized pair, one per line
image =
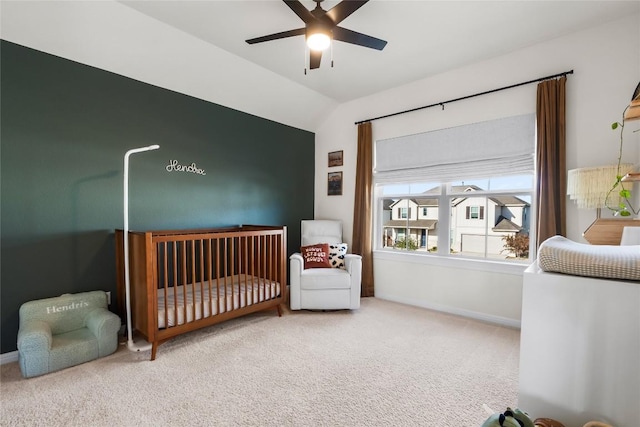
(479, 150)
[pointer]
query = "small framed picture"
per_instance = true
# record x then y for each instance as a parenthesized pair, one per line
(335, 158)
(334, 184)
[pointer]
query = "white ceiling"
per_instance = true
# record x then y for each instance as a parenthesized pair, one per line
(424, 37)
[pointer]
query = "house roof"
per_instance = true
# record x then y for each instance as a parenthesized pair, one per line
(454, 189)
(506, 225)
(426, 202)
(508, 201)
(387, 204)
(499, 200)
(433, 202)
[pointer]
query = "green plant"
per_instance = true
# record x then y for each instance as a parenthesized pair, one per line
(406, 243)
(624, 207)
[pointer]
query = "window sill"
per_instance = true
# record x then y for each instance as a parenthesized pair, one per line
(454, 262)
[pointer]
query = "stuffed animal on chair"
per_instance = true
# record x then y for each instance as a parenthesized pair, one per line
(509, 418)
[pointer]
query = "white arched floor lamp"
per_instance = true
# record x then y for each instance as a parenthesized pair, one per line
(130, 344)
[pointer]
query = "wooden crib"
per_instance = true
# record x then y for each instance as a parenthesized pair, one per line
(182, 280)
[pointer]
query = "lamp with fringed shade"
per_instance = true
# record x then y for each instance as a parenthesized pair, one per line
(590, 188)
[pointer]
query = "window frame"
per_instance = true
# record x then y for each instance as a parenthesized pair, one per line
(445, 197)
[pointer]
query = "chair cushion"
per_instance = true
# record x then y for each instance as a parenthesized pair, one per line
(325, 278)
(320, 231)
(337, 251)
(316, 256)
(73, 348)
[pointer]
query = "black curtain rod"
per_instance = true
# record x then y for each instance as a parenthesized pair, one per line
(441, 104)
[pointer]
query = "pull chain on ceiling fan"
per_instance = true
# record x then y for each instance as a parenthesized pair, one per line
(321, 28)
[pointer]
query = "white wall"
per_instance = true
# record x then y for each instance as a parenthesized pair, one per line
(606, 64)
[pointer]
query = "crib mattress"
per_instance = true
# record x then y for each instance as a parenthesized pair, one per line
(561, 255)
(205, 300)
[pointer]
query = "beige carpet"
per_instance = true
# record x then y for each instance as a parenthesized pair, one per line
(386, 364)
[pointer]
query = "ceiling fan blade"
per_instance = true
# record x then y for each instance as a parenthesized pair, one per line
(302, 12)
(314, 58)
(343, 9)
(353, 37)
(282, 35)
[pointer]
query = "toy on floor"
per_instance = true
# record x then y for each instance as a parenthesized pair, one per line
(547, 422)
(509, 418)
(519, 418)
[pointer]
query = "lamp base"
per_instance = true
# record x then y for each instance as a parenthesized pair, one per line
(631, 177)
(140, 345)
(608, 231)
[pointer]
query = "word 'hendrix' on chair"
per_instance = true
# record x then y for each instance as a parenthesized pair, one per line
(323, 276)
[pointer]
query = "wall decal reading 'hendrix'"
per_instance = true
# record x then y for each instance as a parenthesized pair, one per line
(173, 166)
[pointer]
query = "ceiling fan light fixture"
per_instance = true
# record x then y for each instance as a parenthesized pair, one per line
(321, 29)
(319, 40)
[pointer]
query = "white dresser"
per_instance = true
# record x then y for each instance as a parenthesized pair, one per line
(580, 349)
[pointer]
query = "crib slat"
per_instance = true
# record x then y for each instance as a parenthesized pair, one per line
(274, 259)
(246, 269)
(267, 266)
(209, 271)
(165, 288)
(262, 257)
(226, 257)
(201, 278)
(185, 279)
(217, 274)
(232, 266)
(219, 308)
(192, 245)
(175, 283)
(263, 261)
(252, 273)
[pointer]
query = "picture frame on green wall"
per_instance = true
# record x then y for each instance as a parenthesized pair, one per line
(334, 184)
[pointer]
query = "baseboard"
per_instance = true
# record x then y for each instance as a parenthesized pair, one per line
(502, 321)
(8, 357)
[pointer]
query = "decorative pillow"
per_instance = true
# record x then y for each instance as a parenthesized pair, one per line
(316, 256)
(337, 251)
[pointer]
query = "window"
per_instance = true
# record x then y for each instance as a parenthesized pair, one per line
(472, 221)
(404, 213)
(473, 199)
(475, 212)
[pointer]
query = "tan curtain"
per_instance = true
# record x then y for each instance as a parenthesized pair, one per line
(362, 215)
(551, 159)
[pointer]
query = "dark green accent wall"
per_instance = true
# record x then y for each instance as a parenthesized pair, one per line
(64, 130)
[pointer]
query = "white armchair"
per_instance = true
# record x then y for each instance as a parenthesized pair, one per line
(324, 288)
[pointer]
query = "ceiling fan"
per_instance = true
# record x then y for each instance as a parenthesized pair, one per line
(321, 26)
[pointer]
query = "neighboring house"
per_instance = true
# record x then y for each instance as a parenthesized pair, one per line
(415, 219)
(475, 222)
